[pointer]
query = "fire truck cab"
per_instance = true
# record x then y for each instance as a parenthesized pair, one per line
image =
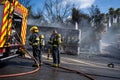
(13, 25)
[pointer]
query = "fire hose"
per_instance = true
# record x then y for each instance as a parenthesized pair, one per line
(23, 73)
(75, 71)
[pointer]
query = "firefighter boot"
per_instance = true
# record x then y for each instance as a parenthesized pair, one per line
(35, 65)
(55, 65)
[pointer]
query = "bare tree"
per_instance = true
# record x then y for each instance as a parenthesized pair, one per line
(75, 15)
(97, 19)
(118, 14)
(56, 11)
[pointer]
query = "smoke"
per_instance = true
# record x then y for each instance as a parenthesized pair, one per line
(111, 37)
(111, 42)
(81, 4)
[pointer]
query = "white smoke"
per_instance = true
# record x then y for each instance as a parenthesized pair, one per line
(81, 4)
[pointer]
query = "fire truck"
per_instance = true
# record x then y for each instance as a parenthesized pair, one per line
(13, 26)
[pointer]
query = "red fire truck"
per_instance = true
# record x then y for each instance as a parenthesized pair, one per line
(13, 25)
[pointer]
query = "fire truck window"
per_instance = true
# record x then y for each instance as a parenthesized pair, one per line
(17, 24)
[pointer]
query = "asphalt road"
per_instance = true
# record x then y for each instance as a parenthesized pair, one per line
(93, 65)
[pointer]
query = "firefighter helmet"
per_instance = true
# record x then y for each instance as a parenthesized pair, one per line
(59, 35)
(54, 32)
(34, 29)
(42, 36)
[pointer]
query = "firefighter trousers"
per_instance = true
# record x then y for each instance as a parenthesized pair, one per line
(56, 55)
(37, 53)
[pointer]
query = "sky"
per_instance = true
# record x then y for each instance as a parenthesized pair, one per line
(84, 5)
(104, 5)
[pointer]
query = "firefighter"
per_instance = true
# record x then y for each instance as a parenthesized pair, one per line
(34, 42)
(42, 41)
(42, 44)
(55, 41)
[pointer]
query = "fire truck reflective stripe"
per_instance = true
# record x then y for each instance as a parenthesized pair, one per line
(11, 9)
(6, 5)
(10, 19)
(3, 36)
(16, 3)
(9, 30)
(9, 26)
(24, 21)
(23, 33)
(3, 30)
(3, 33)
(5, 16)
(4, 23)
(6, 10)
(4, 26)
(24, 36)
(2, 43)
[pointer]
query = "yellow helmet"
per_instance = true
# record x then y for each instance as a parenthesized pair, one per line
(42, 36)
(59, 35)
(34, 29)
